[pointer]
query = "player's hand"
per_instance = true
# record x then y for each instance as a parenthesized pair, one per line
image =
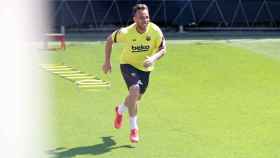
(149, 62)
(107, 67)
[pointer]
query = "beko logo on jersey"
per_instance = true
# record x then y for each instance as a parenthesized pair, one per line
(140, 48)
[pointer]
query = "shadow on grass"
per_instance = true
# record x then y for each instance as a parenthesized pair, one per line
(106, 146)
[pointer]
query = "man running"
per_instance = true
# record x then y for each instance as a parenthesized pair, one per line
(144, 44)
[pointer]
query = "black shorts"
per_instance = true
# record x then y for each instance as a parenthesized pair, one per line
(133, 76)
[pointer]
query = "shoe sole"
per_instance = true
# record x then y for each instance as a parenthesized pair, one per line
(134, 141)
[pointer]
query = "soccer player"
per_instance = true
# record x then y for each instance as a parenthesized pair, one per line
(144, 44)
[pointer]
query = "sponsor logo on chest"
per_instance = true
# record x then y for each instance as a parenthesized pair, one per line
(139, 48)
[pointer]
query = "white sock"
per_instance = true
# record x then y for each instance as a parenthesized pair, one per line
(122, 108)
(133, 122)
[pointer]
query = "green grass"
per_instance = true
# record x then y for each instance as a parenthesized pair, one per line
(205, 100)
(269, 47)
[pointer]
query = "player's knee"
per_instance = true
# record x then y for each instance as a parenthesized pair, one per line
(134, 91)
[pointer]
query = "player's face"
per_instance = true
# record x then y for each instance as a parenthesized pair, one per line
(142, 18)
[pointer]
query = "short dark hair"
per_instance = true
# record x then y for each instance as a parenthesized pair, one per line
(139, 7)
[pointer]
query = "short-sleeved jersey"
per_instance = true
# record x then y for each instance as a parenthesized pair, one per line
(138, 46)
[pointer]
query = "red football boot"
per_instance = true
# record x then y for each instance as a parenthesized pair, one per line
(134, 137)
(118, 119)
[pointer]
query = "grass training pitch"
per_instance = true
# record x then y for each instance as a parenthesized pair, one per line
(206, 99)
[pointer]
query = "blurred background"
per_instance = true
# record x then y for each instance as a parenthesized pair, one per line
(171, 15)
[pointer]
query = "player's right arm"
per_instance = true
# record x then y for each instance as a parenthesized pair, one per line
(107, 66)
(116, 36)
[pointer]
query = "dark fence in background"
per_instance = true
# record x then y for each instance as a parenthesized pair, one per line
(189, 14)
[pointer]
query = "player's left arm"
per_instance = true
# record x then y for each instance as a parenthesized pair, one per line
(160, 53)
